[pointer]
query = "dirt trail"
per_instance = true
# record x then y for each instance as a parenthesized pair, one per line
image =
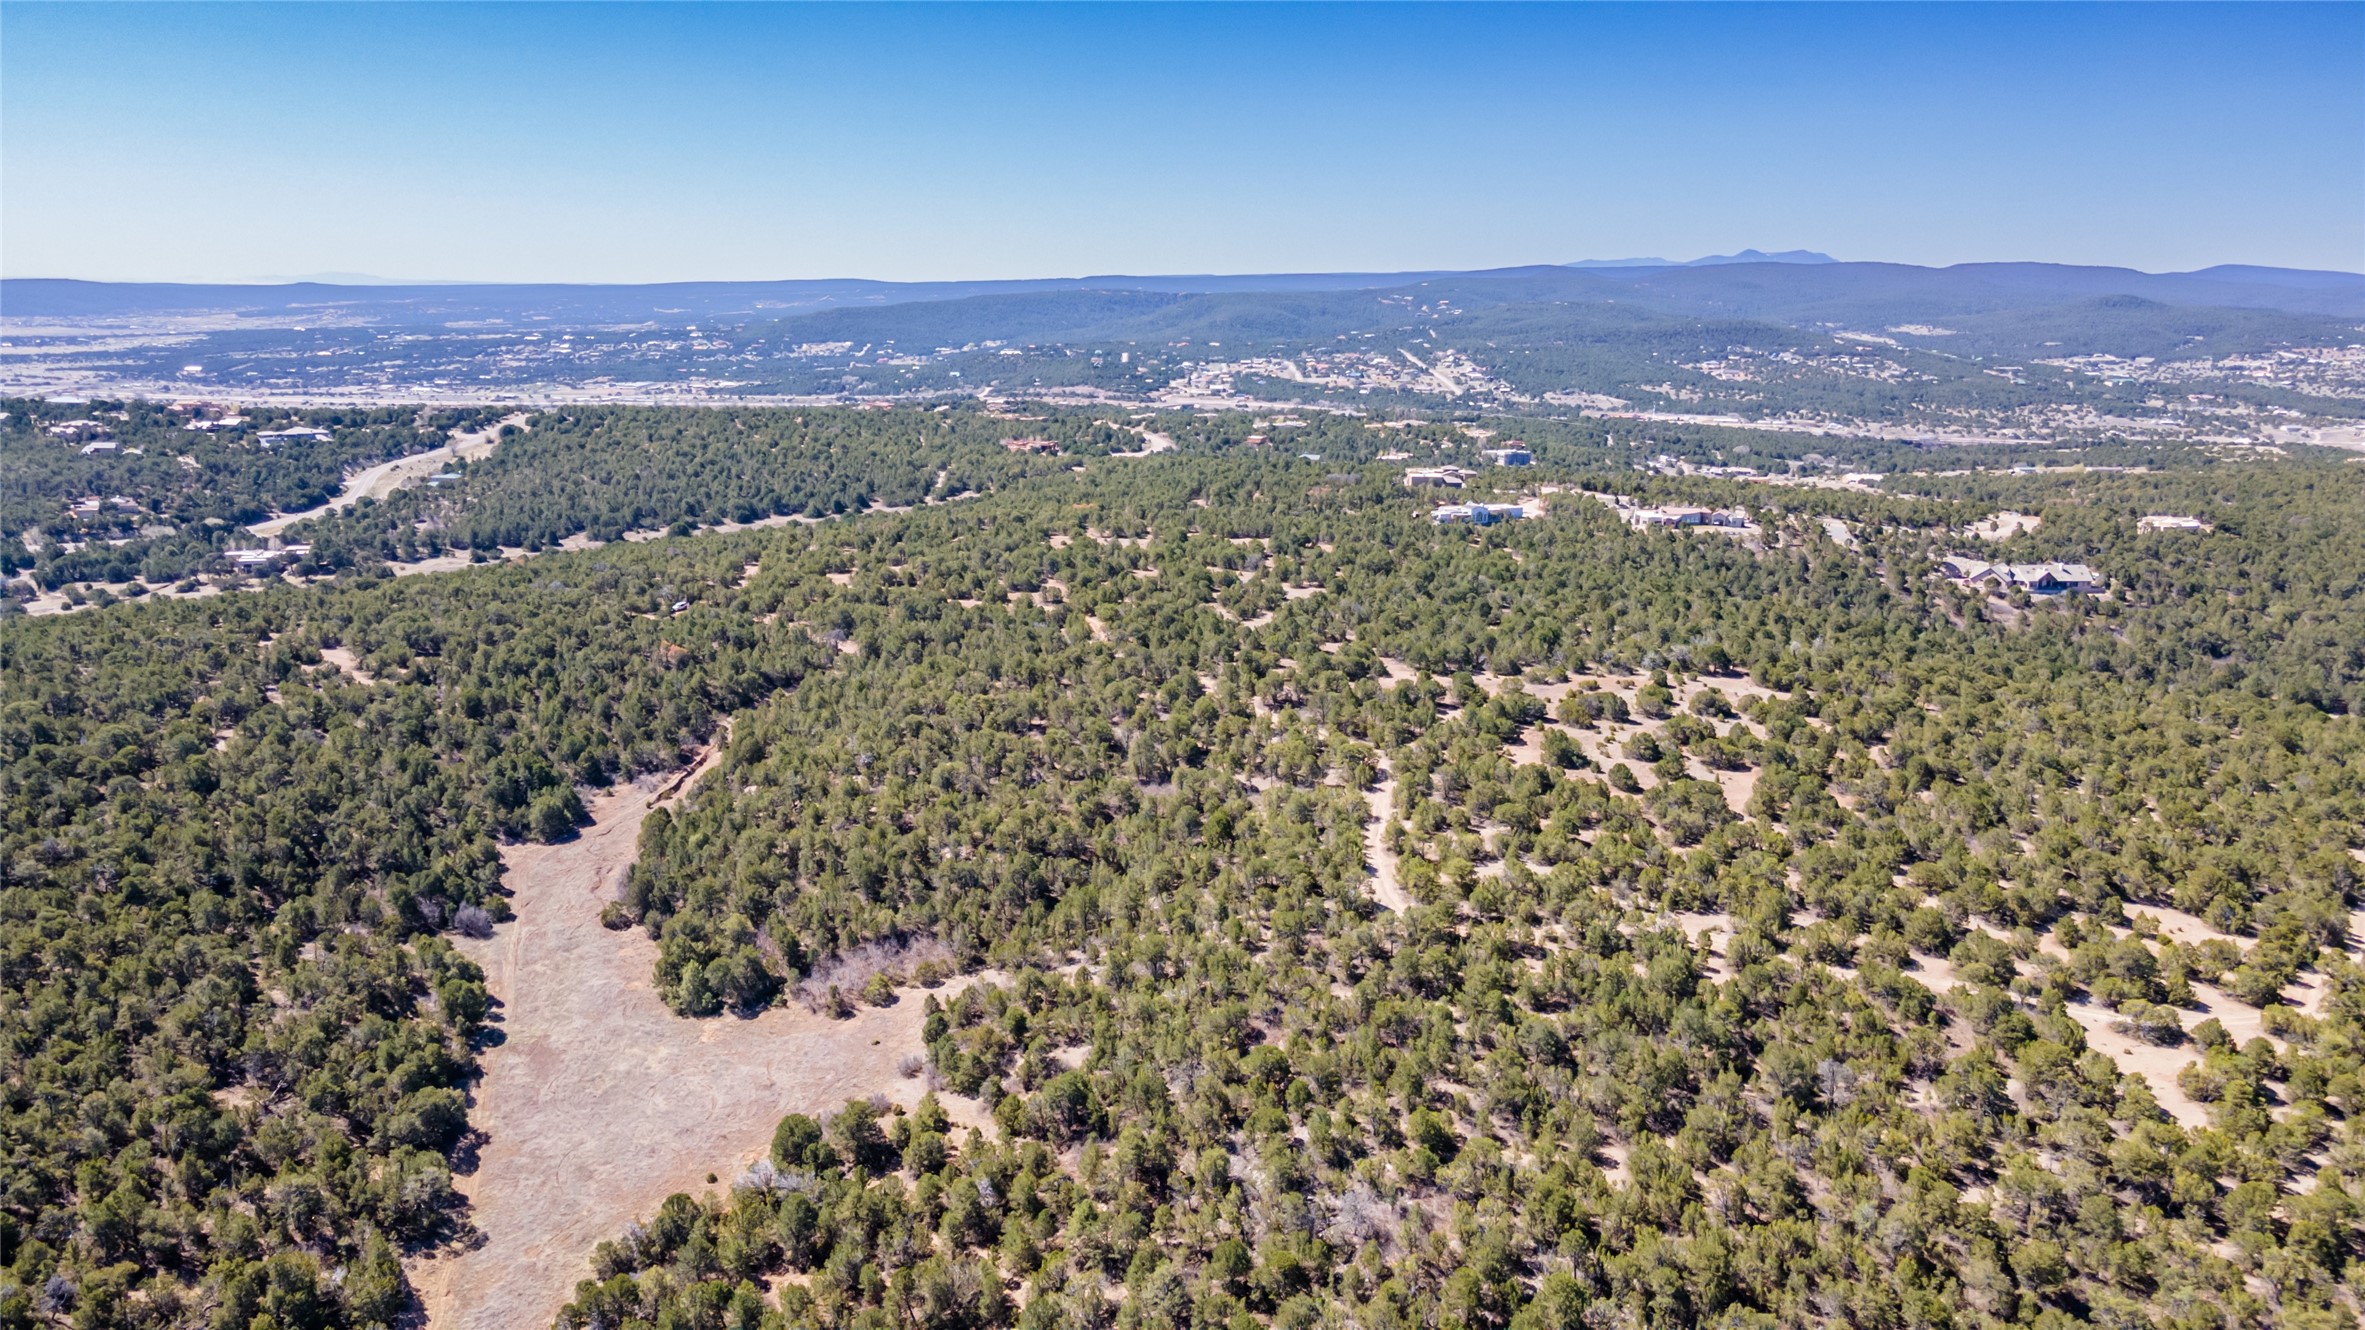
(378, 481)
(599, 1102)
(1385, 886)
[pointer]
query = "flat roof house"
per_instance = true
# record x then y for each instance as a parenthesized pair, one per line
(1686, 515)
(1434, 477)
(1478, 514)
(272, 438)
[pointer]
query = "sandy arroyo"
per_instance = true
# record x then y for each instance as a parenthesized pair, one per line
(598, 1102)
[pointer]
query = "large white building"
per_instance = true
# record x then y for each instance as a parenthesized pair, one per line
(2037, 579)
(272, 438)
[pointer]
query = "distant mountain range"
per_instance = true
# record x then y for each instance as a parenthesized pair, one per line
(1796, 323)
(1745, 256)
(1796, 287)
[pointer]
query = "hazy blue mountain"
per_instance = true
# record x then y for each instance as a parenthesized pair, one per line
(1760, 256)
(1795, 287)
(1710, 261)
(2307, 278)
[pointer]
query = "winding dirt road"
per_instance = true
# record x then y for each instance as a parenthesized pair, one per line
(378, 481)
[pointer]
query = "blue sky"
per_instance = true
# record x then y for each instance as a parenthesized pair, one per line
(625, 143)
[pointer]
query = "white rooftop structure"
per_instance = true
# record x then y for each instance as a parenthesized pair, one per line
(2038, 579)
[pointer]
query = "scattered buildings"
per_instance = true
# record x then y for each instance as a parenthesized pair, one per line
(2037, 579)
(2163, 522)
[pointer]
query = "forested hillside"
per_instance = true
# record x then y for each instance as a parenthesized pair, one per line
(1549, 925)
(602, 472)
(160, 499)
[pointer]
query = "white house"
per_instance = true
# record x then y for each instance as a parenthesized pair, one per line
(2164, 522)
(1434, 477)
(2037, 579)
(1685, 515)
(1512, 454)
(268, 558)
(1478, 514)
(272, 438)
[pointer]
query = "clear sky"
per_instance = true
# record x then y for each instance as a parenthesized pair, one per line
(624, 143)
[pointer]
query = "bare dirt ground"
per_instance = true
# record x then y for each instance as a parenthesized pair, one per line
(2004, 525)
(1714, 934)
(344, 659)
(1385, 887)
(599, 1102)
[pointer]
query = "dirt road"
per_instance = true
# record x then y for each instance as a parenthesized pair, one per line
(599, 1102)
(386, 477)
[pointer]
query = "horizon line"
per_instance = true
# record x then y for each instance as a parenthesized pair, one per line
(363, 281)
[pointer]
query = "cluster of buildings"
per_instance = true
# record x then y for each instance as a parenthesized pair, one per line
(92, 506)
(95, 436)
(2037, 579)
(1454, 477)
(78, 431)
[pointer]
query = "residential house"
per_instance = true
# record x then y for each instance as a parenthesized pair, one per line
(2037, 579)
(1478, 514)
(1434, 477)
(266, 558)
(1687, 516)
(272, 438)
